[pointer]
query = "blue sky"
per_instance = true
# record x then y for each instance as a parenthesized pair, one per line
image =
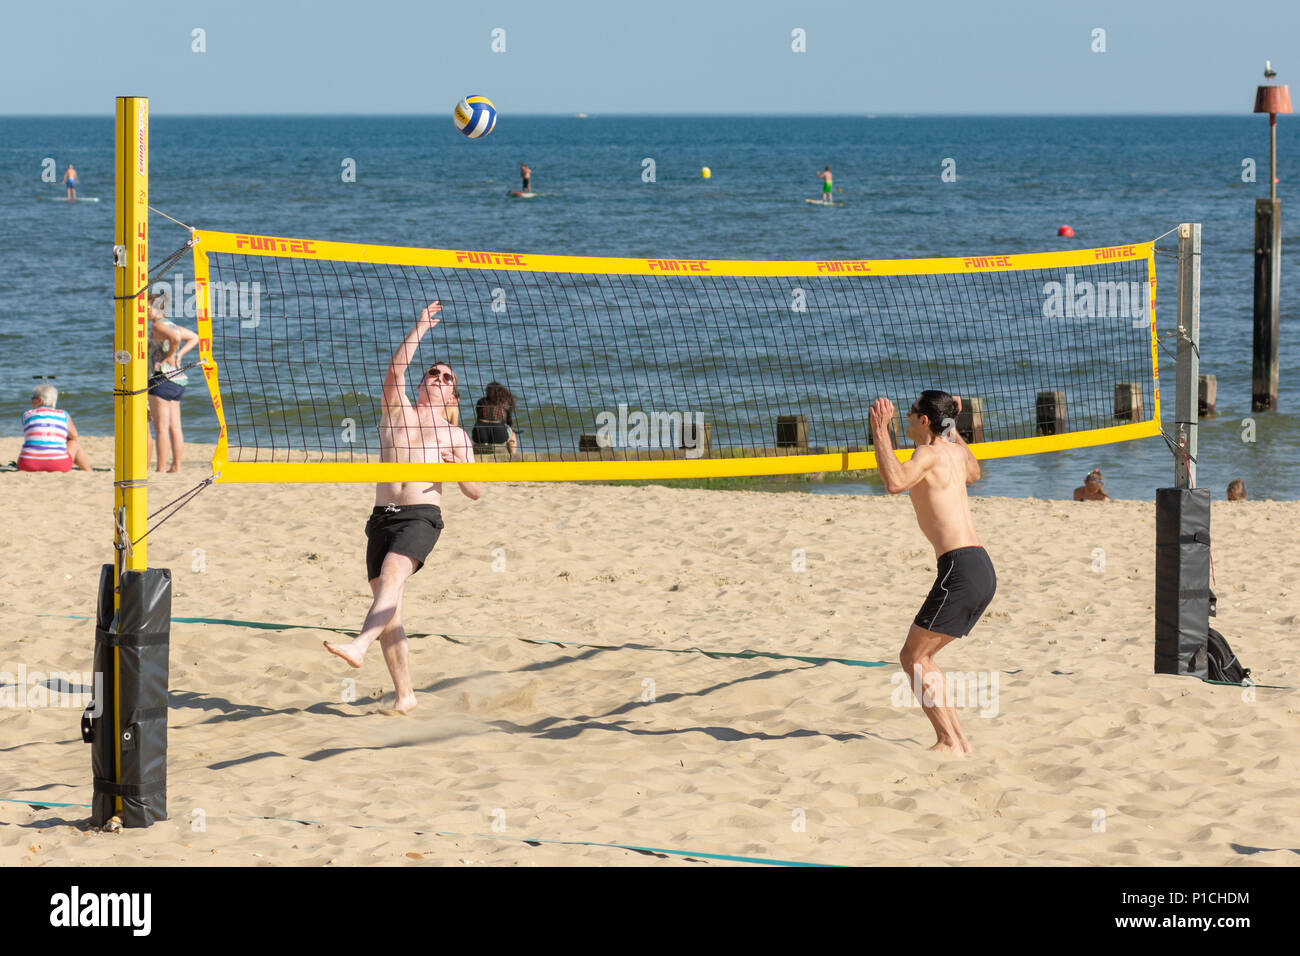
(399, 57)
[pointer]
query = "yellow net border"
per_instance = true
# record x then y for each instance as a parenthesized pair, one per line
(603, 466)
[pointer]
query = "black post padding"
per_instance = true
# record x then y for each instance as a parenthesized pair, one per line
(139, 633)
(1182, 581)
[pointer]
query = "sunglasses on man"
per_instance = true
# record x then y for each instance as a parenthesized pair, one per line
(446, 378)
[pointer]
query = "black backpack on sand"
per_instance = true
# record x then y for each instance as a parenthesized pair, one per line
(1223, 663)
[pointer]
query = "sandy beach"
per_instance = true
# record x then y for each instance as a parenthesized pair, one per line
(538, 720)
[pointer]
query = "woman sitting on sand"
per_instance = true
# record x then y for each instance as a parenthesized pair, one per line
(49, 437)
(492, 414)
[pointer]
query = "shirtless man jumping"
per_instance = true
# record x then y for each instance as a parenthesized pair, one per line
(407, 519)
(937, 474)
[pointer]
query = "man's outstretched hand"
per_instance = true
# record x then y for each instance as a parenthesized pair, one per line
(429, 317)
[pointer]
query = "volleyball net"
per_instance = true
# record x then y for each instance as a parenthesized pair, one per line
(659, 368)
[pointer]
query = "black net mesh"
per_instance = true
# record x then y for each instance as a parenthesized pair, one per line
(670, 365)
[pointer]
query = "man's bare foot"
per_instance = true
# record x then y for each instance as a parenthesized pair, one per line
(345, 651)
(401, 707)
(949, 748)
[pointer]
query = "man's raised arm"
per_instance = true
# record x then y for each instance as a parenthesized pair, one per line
(973, 473)
(395, 380)
(897, 475)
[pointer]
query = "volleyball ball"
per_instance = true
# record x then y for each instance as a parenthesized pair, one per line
(475, 116)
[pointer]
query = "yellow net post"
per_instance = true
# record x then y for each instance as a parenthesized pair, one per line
(130, 344)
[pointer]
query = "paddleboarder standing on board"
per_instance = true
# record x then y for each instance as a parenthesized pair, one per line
(70, 180)
(827, 179)
(526, 175)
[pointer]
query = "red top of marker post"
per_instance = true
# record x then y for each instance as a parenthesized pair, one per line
(1272, 99)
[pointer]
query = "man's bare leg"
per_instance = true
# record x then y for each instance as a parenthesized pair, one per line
(393, 643)
(384, 623)
(917, 660)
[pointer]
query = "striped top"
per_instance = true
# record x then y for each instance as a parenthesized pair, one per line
(45, 434)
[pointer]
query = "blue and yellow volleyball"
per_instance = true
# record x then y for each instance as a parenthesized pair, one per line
(475, 116)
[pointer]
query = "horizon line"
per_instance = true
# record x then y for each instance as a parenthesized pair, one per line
(911, 114)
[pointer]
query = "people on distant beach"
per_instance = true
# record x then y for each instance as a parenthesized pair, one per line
(407, 518)
(166, 387)
(50, 441)
(70, 180)
(1093, 487)
(937, 475)
(492, 414)
(526, 174)
(1236, 490)
(827, 183)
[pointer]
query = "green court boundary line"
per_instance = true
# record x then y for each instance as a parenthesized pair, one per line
(456, 639)
(726, 857)
(460, 638)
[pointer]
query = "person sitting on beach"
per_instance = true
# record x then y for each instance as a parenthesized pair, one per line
(492, 425)
(1093, 488)
(827, 182)
(407, 518)
(1236, 490)
(937, 475)
(49, 437)
(70, 180)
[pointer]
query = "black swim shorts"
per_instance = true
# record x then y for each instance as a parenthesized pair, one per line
(962, 591)
(411, 530)
(164, 388)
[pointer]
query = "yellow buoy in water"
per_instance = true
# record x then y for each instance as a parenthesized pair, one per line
(706, 172)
